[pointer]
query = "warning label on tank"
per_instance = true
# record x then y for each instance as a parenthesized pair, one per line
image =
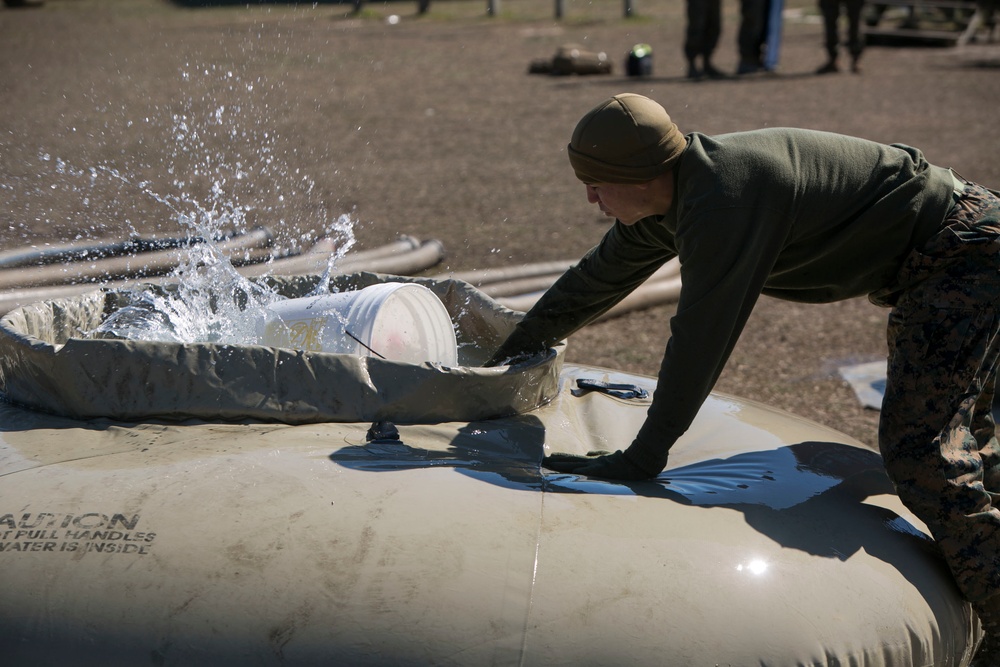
(92, 532)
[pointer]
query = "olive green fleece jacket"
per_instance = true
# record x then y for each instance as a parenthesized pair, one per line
(794, 214)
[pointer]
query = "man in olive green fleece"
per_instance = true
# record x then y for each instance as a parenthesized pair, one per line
(813, 217)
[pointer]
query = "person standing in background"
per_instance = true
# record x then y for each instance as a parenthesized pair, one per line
(704, 24)
(772, 37)
(855, 43)
(752, 36)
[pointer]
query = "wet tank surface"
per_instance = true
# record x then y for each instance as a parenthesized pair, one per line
(182, 539)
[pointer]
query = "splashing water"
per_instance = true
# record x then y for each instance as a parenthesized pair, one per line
(210, 305)
(213, 302)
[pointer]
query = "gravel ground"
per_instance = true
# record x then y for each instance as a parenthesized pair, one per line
(120, 114)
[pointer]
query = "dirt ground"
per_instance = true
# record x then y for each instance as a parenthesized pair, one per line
(119, 115)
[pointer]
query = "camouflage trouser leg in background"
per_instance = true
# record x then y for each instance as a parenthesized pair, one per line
(937, 433)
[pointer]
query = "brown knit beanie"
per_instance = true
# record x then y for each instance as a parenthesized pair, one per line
(626, 139)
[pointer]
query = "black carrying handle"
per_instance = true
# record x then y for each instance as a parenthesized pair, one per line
(624, 391)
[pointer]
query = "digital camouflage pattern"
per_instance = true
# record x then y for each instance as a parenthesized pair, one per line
(937, 433)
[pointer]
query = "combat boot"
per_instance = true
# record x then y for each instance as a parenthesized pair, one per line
(988, 652)
(829, 68)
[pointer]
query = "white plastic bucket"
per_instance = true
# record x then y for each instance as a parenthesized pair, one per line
(398, 321)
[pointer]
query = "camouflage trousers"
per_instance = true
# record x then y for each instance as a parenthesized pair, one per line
(937, 434)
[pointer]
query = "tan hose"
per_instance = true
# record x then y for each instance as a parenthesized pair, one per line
(479, 277)
(392, 255)
(515, 280)
(404, 263)
(521, 286)
(144, 264)
(87, 250)
(315, 260)
(403, 244)
(651, 293)
(430, 253)
(523, 289)
(392, 260)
